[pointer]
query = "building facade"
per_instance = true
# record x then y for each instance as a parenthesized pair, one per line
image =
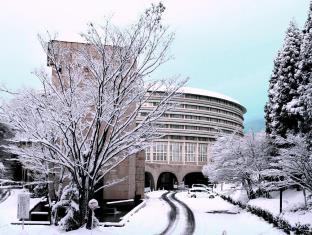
(189, 130)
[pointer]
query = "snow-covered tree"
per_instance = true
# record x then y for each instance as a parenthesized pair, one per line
(305, 73)
(268, 109)
(84, 119)
(68, 202)
(295, 161)
(238, 159)
(282, 113)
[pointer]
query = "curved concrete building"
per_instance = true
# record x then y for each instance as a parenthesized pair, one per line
(189, 130)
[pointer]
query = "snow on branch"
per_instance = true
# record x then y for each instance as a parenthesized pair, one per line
(85, 116)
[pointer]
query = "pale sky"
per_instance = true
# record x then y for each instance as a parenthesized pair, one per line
(227, 46)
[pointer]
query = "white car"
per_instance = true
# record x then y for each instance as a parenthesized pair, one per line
(201, 186)
(199, 192)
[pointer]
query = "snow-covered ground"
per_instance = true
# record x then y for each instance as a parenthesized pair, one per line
(8, 211)
(215, 223)
(293, 200)
(153, 219)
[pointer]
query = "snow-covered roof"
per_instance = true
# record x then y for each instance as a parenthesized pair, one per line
(197, 91)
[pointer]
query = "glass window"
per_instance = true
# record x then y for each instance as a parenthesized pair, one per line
(202, 152)
(160, 151)
(190, 152)
(176, 126)
(176, 116)
(148, 153)
(176, 152)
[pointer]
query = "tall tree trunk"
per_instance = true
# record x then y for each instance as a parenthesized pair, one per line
(86, 194)
(248, 187)
(83, 201)
(305, 198)
(89, 212)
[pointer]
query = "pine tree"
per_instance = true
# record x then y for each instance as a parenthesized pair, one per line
(268, 109)
(305, 72)
(284, 83)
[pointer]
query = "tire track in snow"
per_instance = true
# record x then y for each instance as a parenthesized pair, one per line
(190, 226)
(172, 214)
(175, 211)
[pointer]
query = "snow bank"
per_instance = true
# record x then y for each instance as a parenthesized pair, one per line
(293, 202)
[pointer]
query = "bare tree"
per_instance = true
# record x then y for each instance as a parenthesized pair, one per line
(85, 118)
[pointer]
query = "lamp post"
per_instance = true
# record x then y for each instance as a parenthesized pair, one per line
(93, 204)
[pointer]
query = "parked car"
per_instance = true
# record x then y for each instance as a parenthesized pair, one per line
(198, 192)
(201, 186)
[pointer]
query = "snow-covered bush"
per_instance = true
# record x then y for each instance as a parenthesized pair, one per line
(69, 204)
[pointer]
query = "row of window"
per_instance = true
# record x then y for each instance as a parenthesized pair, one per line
(194, 117)
(198, 107)
(177, 152)
(215, 110)
(193, 138)
(211, 99)
(196, 128)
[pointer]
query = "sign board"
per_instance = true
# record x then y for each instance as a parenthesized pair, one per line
(23, 201)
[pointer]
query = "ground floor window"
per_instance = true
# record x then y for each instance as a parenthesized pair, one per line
(176, 152)
(148, 154)
(190, 152)
(202, 152)
(160, 151)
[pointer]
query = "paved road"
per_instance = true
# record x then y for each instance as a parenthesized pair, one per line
(181, 218)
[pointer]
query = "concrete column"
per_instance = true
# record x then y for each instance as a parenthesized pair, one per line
(151, 152)
(196, 153)
(180, 177)
(156, 175)
(168, 152)
(183, 153)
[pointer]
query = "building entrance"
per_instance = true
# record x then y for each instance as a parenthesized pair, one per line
(149, 181)
(195, 178)
(166, 180)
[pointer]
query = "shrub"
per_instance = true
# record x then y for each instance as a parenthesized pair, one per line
(68, 202)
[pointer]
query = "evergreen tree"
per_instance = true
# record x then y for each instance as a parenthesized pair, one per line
(284, 85)
(304, 102)
(268, 109)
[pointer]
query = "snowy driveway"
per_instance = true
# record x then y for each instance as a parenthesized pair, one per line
(213, 216)
(181, 218)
